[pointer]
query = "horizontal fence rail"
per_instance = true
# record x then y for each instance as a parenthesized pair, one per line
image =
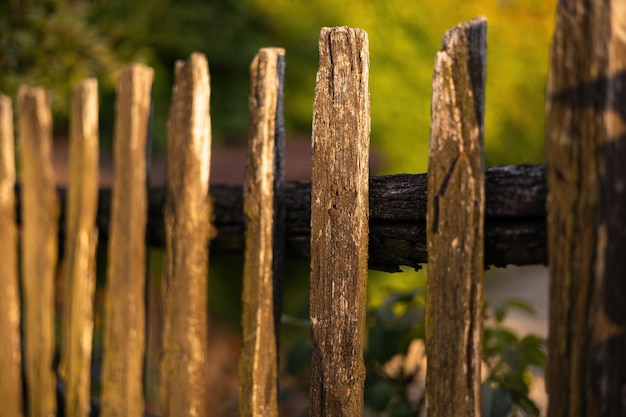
(515, 217)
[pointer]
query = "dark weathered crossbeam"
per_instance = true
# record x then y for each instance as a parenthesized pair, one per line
(515, 227)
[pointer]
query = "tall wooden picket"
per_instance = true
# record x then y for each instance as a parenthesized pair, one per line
(258, 368)
(80, 249)
(339, 222)
(184, 360)
(10, 348)
(124, 321)
(455, 224)
(40, 213)
(586, 150)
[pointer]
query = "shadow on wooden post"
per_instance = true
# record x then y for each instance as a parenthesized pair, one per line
(455, 223)
(258, 365)
(188, 216)
(81, 239)
(40, 210)
(586, 154)
(339, 222)
(10, 348)
(125, 315)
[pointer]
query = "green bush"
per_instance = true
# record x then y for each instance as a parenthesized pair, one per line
(52, 44)
(55, 43)
(396, 366)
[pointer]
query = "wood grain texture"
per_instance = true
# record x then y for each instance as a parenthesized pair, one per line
(258, 365)
(586, 150)
(10, 349)
(339, 222)
(125, 316)
(455, 223)
(80, 249)
(184, 358)
(40, 212)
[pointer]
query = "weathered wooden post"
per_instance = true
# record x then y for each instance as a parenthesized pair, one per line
(39, 249)
(188, 215)
(81, 239)
(258, 367)
(10, 349)
(586, 156)
(455, 223)
(339, 222)
(125, 316)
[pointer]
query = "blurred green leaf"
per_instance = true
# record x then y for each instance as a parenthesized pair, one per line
(412, 317)
(385, 316)
(533, 341)
(496, 340)
(401, 408)
(533, 352)
(383, 343)
(379, 394)
(520, 305)
(54, 45)
(406, 297)
(509, 358)
(515, 384)
(526, 405)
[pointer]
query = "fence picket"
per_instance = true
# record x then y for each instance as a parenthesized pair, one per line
(10, 348)
(586, 151)
(339, 222)
(80, 249)
(258, 368)
(184, 359)
(455, 223)
(124, 321)
(39, 248)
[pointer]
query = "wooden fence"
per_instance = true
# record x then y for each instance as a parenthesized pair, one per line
(459, 218)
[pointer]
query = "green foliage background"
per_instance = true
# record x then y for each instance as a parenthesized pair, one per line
(404, 37)
(55, 43)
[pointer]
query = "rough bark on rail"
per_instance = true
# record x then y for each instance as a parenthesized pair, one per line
(515, 224)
